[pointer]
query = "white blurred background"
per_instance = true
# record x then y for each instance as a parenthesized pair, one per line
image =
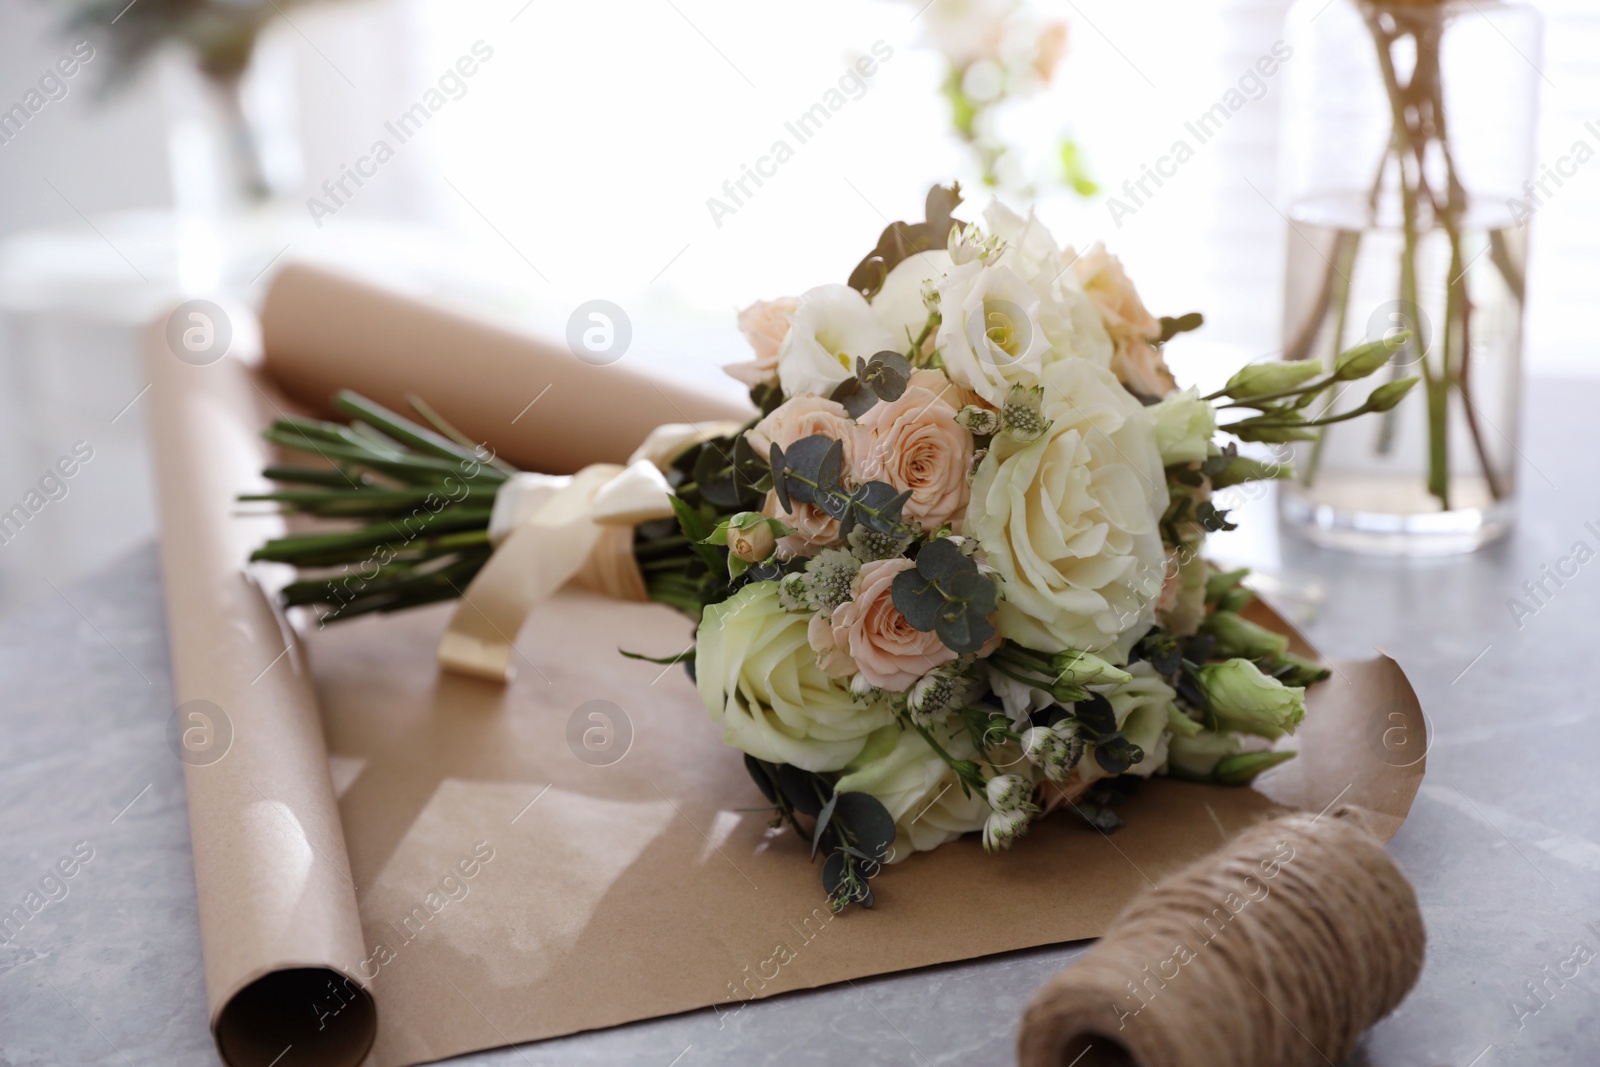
(577, 163)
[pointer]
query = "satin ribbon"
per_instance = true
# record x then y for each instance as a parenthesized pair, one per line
(549, 530)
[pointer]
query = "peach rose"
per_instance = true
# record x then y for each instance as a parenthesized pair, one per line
(795, 419)
(887, 651)
(764, 324)
(834, 661)
(1136, 361)
(917, 444)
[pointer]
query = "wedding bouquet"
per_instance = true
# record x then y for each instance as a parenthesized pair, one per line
(949, 578)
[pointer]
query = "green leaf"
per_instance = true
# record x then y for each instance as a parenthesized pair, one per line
(823, 818)
(866, 820)
(764, 782)
(917, 599)
(887, 374)
(942, 560)
(962, 630)
(1116, 753)
(800, 788)
(696, 530)
(681, 657)
(856, 398)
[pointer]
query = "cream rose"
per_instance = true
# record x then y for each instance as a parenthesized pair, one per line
(759, 678)
(764, 324)
(832, 326)
(885, 648)
(795, 419)
(920, 791)
(1137, 362)
(916, 444)
(1070, 521)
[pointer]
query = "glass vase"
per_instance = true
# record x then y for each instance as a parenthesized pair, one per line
(1408, 156)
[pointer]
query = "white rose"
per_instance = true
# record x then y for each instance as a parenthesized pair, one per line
(990, 336)
(1140, 707)
(1185, 425)
(1070, 521)
(832, 326)
(759, 677)
(922, 794)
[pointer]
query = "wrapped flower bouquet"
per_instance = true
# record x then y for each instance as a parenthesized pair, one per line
(946, 581)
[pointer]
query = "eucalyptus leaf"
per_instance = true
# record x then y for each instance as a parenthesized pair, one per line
(868, 821)
(963, 630)
(763, 781)
(799, 788)
(916, 598)
(1095, 716)
(856, 398)
(1116, 753)
(823, 818)
(780, 485)
(834, 873)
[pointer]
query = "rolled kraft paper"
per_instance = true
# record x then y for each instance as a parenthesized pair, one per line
(1279, 950)
(323, 332)
(278, 914)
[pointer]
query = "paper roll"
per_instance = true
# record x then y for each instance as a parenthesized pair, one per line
(538, 405)
(278, 918)
(280, 925)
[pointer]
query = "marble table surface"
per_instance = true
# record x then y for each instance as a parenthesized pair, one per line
(1503, 843)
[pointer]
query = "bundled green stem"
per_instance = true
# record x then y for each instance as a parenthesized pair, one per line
(415, 503)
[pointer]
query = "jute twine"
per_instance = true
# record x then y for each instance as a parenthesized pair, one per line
(1277, 951)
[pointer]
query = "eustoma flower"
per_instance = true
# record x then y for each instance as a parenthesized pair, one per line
(833, 325)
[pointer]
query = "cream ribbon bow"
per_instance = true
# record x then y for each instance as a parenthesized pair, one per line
(550, 529)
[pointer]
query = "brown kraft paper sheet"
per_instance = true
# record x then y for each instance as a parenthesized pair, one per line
(470, 870)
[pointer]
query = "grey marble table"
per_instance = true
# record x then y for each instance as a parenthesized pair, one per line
(1503, 843)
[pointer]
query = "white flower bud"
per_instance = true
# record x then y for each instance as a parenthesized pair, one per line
(860, 688)
(1001, 828)
(1008, 792)
(931, 696)
(1021, 415)
(793, 594)
(977, 461)
(981, 421)
(1038, 743)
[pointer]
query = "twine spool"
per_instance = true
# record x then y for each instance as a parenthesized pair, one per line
(1277, 951)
